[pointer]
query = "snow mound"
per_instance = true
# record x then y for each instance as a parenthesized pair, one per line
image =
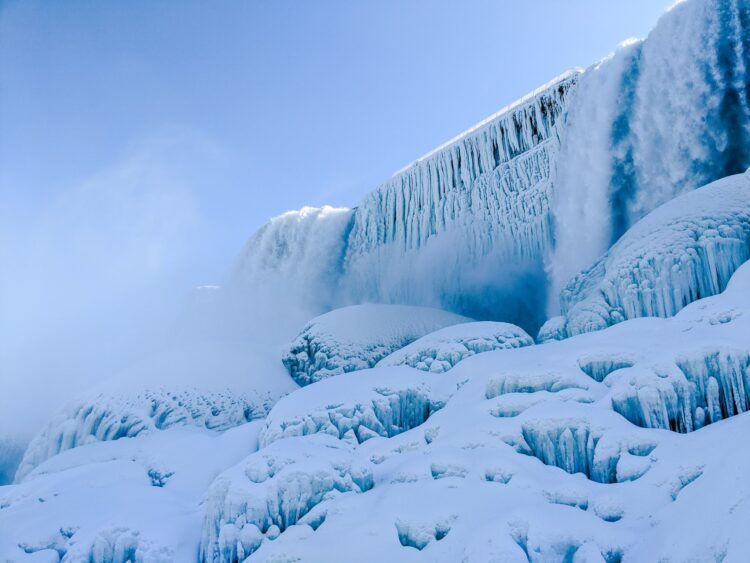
(439, 351)
(276, 489)
(212, 387)
(357, 407)
(357, 337)
(685, 250)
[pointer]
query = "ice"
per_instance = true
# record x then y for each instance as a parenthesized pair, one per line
(685, 250)
(297, 254)
(357, 337)
(11, 452)
(439, 351)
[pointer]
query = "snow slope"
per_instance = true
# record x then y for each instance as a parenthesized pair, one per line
(686, 249)
(543, 453)
(357, 337)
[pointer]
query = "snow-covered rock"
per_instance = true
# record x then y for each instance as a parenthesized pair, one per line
(274, 490)
(439, 351)
(357, 337)
(685, 250)
(213, 386)
(358, 406)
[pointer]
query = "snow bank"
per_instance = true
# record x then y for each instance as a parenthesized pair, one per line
(439, 351)
(357, 337)
(136, 499)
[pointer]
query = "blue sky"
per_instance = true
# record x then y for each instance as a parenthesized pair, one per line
(142, 142)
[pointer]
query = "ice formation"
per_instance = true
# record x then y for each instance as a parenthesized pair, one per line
(544, 186)
(685, 250)
(11, 452)
(357, 337)
(214, 387)
(439, 351)
(275, 489)
(136, 499)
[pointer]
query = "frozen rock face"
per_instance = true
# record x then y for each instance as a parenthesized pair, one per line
(439, 351)
(685, 250)
(357, 337)
(214, 387)
(439, 226)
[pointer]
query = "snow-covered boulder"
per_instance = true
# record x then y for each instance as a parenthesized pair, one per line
(210, 386)
(684, 250)
(275, 489)
(439, 351)
(357, 337)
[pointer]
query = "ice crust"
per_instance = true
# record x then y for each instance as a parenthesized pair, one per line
(439, 351)
(357, 337)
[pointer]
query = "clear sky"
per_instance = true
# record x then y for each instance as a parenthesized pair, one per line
(142, 142)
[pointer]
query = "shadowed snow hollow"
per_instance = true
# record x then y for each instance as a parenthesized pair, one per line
(357, 337)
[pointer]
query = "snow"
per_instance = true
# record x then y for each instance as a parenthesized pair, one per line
(686, 249)
(439, 351)
(211, 385)
(357, 337)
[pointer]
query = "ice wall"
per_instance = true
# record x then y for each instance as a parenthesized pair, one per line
(465, 224)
